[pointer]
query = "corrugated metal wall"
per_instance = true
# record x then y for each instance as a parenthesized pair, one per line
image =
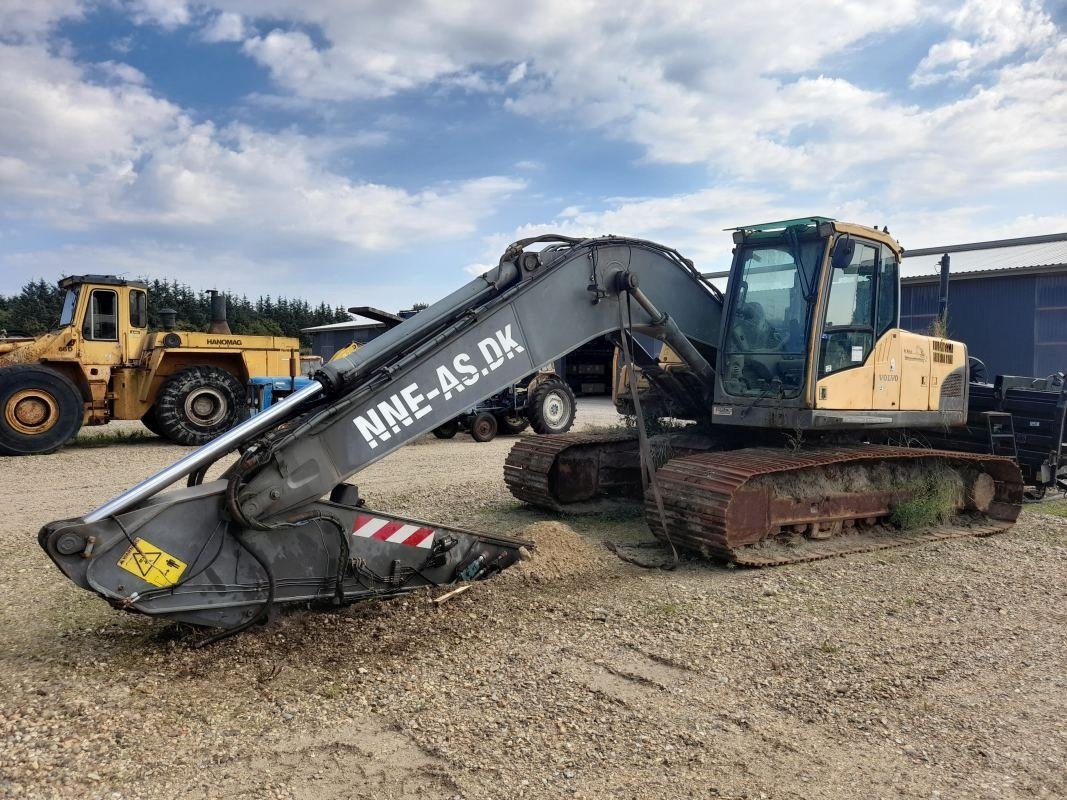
(1017, 325)
(1050, 324)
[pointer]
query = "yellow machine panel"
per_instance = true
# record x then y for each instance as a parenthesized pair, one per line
(906, 372)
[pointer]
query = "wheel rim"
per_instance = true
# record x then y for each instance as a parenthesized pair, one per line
(483, 427)
(206, 406)
(31, 411)
(555, 409)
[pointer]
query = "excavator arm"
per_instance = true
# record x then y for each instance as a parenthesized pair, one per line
(282, 526)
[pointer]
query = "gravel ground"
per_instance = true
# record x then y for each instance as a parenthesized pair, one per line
(936, 671)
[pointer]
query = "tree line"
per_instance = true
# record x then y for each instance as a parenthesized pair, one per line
(37, 307)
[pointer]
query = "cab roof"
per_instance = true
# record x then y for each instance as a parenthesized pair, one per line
(821, 226)
(71, 281)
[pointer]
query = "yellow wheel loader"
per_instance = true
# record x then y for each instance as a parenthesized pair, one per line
(102, 363)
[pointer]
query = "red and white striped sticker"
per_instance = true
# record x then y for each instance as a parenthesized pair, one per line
(387, 530)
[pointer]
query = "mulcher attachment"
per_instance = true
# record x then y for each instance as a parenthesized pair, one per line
(763, 507)
(158, 560)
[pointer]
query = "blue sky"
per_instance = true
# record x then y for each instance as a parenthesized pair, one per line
(381, 153)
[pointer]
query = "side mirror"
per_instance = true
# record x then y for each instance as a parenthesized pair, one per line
(844, 247)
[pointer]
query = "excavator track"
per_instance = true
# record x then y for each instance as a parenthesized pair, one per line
(761, 507)
(568, 472)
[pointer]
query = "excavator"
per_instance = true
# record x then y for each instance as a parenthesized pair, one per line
(795, 380)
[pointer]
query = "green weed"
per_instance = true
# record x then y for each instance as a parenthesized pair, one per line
(934, 497)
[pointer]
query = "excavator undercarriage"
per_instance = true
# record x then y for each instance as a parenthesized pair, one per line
(767, 506)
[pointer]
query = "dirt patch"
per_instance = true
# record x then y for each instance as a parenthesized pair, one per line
(558, 552)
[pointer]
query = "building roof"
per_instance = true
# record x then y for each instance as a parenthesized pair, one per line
(989, 258)
(342, 326)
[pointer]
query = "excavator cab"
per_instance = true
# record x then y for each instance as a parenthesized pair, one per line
(811, 339)
(773, 291)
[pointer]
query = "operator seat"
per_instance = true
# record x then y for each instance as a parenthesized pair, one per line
(752, 332)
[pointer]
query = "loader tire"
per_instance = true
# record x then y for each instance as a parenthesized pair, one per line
(199, 403)
(40, 410)
(552, 407)
(151, 421)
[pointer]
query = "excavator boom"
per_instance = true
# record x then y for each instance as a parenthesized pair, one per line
(221, 553)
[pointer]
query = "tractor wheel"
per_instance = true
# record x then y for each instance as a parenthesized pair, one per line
(40, 410)
(512, 423)
(446, 431)
(151, 421)
(199, 403)
(483, 427)
(551, 408)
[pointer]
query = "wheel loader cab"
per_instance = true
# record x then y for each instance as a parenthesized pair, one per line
(811, 336)
(109, 316)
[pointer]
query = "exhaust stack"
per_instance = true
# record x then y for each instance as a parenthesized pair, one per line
(218, 313)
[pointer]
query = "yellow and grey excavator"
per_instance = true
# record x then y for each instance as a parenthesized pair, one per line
(795, 380)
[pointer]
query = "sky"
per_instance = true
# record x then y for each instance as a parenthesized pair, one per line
(362, 152)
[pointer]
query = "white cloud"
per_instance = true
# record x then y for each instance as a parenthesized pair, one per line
(165, 13)
(29, 18)
(84, 156)
(985, 32)
(370, 69)
(518, 72)
(225, 27)
(120, 72)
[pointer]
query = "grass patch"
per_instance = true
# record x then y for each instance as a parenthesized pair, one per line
(668, 609)
(598, 430)
(118, 437)
(1057, 508)
(934, 498)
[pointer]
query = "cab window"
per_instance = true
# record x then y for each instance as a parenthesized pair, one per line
(848, 330)
(101, 316)
(138, 309)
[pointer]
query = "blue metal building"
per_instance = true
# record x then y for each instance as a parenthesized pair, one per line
(1007, 301)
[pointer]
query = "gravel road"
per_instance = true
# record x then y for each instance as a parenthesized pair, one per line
(935, 671)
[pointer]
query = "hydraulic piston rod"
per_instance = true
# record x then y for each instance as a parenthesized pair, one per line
(204, 455)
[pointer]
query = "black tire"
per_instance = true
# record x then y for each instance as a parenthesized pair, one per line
(199, 403)
(552, 407)
(446, 431)
(512, 423)
(150, 421)
(483, 427)
(40, 410)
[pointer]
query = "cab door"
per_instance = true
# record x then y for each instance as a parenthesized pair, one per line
(845, 367)
(100, 328)
(887, 349)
